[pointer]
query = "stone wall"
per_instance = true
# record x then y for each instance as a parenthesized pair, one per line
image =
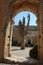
(4, 18)
(31, 34)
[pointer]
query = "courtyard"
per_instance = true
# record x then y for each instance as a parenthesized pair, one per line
(16, 51)
(20, 57)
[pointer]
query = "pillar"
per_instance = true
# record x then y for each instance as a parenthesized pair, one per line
(7, 41)
(41, 30)
(10, 38)
(11, 34)
(38, 36)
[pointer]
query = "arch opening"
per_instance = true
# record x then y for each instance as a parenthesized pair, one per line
(13, 14)
(30, 35)
(20, 15)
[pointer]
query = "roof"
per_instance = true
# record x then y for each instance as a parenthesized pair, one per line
(31, 28)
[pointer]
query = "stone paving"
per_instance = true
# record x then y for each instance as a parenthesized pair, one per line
(21, 57)
(16, 51)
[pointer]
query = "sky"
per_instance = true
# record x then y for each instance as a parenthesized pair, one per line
(20, 15)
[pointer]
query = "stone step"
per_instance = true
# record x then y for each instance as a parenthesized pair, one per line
(21, 61)
(16, 59)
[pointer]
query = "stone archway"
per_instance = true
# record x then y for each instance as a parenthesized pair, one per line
(24, 5)
(15, 9)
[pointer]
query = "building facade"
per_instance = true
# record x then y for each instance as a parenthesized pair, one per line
(29, 34)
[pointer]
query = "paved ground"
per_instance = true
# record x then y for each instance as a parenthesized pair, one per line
(21, 56)
(16, 51)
